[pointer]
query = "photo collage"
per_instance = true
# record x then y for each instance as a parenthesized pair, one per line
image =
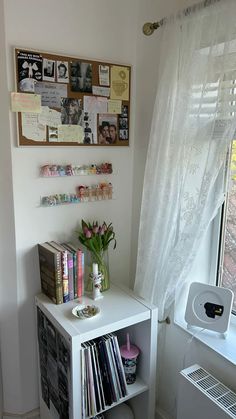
(82, 102)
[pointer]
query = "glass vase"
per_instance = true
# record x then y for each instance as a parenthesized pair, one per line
(101, 258)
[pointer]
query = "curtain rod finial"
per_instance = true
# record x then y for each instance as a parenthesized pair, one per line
(148, 28)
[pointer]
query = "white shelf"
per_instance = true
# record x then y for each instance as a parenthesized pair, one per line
(134, 389)
(120, 312)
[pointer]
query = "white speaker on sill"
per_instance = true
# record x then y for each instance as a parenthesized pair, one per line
(209, 307)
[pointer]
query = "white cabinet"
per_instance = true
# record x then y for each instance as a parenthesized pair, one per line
(120, 312)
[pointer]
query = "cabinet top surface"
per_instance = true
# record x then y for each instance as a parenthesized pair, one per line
(118, 309)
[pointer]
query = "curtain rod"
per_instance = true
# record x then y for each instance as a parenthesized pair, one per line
(150, 27)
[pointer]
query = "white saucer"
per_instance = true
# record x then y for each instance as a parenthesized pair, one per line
(83, 311)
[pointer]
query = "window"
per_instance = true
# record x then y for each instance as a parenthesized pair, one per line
(227, 248)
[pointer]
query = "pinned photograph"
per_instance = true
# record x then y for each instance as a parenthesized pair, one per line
(89, 124)
(48, 70)
(52, 134)
(123, 134)
(71, 111)
(81, 77)
(29, 70)
(107, 129)
(123, 123)
(62, 72)
(124, 111)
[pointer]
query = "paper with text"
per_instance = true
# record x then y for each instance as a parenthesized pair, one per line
(31, 128)
(25, 102)
(120, 83)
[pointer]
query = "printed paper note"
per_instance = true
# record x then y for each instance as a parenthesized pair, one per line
(50, 117)
(25, 102)
(114, 106)
(104, 78)
(70, 133)
(101, 91)
(119, 83)
(94, 104)
(31, 128)
(51, 93)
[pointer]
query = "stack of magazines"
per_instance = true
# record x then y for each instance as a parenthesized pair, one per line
(103, 377)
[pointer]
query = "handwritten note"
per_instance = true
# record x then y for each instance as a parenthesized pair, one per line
(25, 102)
(120, 83)
(70, 133)
(50, 117)
(101, 91)
(93, 104)
(31, 128)
(51, 93)
(114, 106)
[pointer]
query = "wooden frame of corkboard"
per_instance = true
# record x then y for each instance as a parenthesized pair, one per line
(38, 72)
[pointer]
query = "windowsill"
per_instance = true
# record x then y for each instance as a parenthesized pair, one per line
(215, 341)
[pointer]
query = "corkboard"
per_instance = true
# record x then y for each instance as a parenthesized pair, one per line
(78, 90)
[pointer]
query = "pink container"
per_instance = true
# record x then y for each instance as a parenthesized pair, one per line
(129, 354)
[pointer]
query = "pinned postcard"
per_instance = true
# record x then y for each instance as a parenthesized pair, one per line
(31, 128)
(70, 134)
(104, 75)
(48, 70)
(29, 70)
(101, 91)
(25, 102)
(114, 106)
(51, 93)
(49, 117)
(120, 83)
(94, 104)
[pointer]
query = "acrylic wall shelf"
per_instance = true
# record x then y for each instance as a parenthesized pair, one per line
(68, 170)
(100, 192)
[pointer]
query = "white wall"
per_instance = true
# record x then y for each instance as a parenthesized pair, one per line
(106, 30)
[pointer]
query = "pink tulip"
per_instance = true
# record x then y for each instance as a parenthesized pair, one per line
(101, 231)
(88, 234)
(95, 229)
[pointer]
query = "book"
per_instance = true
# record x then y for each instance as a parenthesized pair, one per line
(70, 265)
(64, 268)
(74, 252)
(90, 379)
(106, 381)
(111, 370)
(95, 378)
(51, 272)
(80, 278)
(99, 378)
(119, 364)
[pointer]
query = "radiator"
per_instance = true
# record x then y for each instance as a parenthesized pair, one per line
(202, 396)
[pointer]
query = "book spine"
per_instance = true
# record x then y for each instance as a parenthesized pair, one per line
(80, 274)
(105, 376)
(50, 273)
(111, 371)
(75, 274)
(70, 275)
(65, 277)
(119, 364)
(103, 404)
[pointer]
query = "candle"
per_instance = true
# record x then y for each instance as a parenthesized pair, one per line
(95, 268)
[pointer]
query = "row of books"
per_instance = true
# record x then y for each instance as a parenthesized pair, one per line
(61, 271)
(103, 377)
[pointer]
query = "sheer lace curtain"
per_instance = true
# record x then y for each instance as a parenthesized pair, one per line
(192, 126)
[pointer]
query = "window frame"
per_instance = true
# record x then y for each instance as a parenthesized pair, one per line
(222, 222)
